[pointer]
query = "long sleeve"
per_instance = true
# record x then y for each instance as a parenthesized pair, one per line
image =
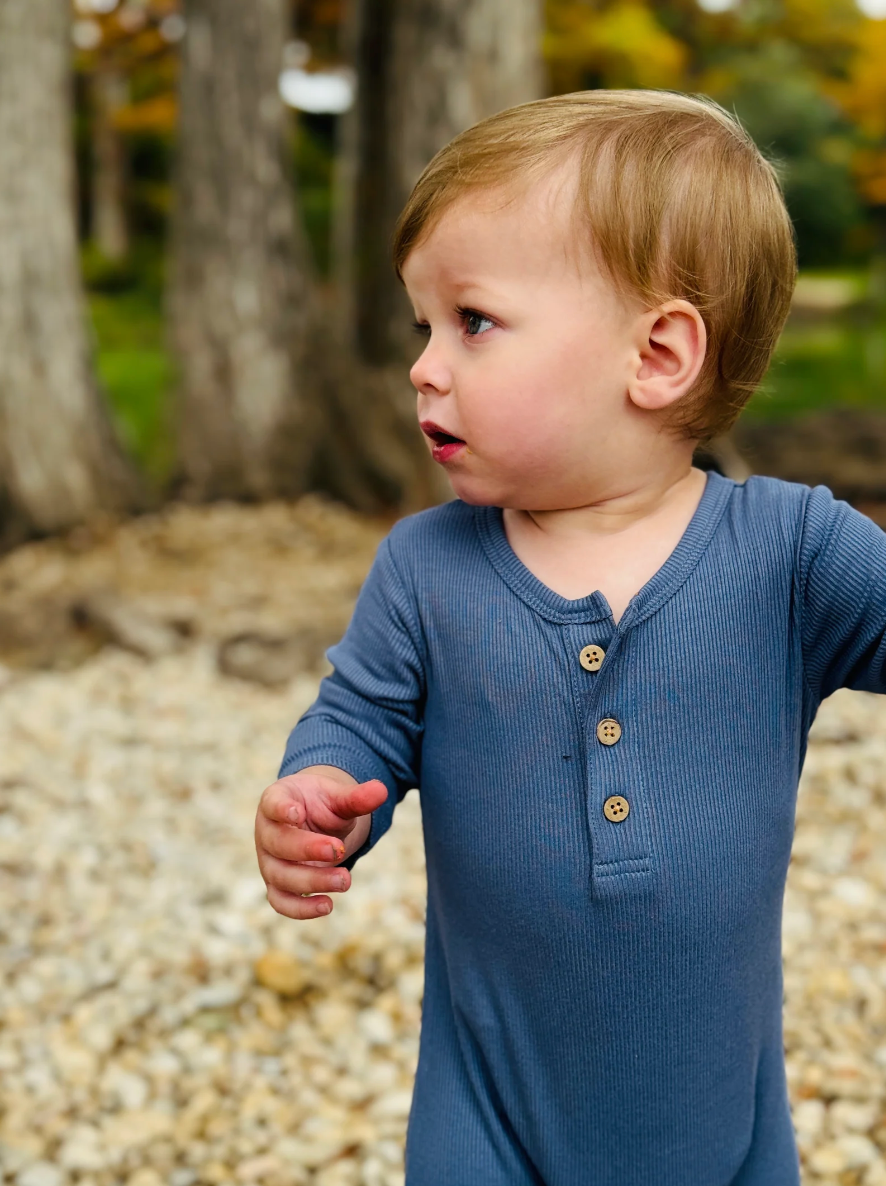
(842, 572)
(367, 718)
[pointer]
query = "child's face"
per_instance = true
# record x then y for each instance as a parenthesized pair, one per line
(530, 354)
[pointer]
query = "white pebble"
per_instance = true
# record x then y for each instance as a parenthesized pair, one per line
(41, 1173)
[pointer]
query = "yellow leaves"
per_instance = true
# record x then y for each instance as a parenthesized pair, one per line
(870, 169)
(630, 35)
(823, 23)
(620, 45)
(862, 95)
(157, 114)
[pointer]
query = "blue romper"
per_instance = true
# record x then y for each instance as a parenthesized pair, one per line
(603, 996)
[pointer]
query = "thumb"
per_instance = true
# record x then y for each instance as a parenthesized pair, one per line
(349, 802)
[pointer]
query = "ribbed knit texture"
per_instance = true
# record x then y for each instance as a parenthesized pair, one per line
(603, 1000)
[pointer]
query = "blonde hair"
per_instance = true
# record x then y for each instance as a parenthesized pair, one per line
(676, 201)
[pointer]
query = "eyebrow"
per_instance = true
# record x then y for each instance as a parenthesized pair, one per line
(467, 286)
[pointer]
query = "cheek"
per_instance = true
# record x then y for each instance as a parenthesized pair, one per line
(534, 400)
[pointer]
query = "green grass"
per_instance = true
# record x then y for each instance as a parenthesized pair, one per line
(831, 363)
(136, 374)
(829, 359)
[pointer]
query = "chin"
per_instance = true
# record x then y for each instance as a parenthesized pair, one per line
(474, 493)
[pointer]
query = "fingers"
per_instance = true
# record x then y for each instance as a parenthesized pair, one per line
(308, 798)
(290, 878)
(294, 906)
(289, 843)
(349, 802)
(287, 884)
(294, 850)
(283, 802)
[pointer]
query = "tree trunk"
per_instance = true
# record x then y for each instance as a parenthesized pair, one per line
(59, 462)
(427, 70)
(238, 285)
(109, 230)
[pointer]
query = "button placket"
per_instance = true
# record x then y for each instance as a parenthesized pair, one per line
(614, 801)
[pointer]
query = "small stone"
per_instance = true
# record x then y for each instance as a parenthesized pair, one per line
(214, 1173)
(131, 1130)
(809, 1116)
(846, 1153)
(280, 972)
(128, 625)
(376, 1027)
(98, 1037)
(858, 1150)
(131, 1090)
(254, 1169)
(183, 1177)
(272, 660)
(395, 1103)
(850, 1116)
(82, 1150)
(343, 1172)
(221, 995)
(875, 1174)
(145, 1177)
(41, 1173)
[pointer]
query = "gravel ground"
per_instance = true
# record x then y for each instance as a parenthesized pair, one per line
(160, 1024)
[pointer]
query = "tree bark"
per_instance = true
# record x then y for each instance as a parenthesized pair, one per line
(427, 69)
(238, 284)
(109, 229)
(59, 461)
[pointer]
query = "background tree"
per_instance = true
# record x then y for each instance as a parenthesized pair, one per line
(126, 64)
(427, 69)
(110, 231)
(59, 462)
(238, 287)
(805, 75)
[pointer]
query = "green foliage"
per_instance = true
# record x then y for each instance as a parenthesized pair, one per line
(133, 365)
(805, 76)
(313, 154)
(824, 367)
(826, 360)
(779, 102)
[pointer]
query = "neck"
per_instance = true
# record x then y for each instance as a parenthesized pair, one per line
(625, 505)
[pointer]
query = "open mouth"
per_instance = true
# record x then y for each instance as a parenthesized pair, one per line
(445, 444)
(438, 435)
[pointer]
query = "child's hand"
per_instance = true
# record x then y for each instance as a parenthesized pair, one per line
(305, 824)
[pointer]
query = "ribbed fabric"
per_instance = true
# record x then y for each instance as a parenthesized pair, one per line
(603, 1000)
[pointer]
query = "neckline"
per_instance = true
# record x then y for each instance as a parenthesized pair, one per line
(594, 607)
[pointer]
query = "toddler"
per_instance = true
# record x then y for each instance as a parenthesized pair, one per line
(598, 664)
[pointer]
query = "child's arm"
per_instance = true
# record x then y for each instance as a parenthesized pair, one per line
(364, 729)
(842, 598)
(305, 824)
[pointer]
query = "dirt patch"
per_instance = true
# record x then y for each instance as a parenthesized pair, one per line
(844, 450)
(275, 572)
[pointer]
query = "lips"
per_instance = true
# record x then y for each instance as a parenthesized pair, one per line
(446, 445)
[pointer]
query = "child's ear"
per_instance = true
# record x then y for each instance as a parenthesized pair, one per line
(671, 341)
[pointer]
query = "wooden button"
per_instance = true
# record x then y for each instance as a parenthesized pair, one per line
(591, 657)
(608, 731)
(616, 809)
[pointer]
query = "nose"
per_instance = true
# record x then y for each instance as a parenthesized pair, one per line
(431, 374)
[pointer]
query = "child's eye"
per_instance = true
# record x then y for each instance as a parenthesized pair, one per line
(475, 323)
(422, 328)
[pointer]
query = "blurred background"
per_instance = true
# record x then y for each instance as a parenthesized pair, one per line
(206, 427)
(224, 321)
